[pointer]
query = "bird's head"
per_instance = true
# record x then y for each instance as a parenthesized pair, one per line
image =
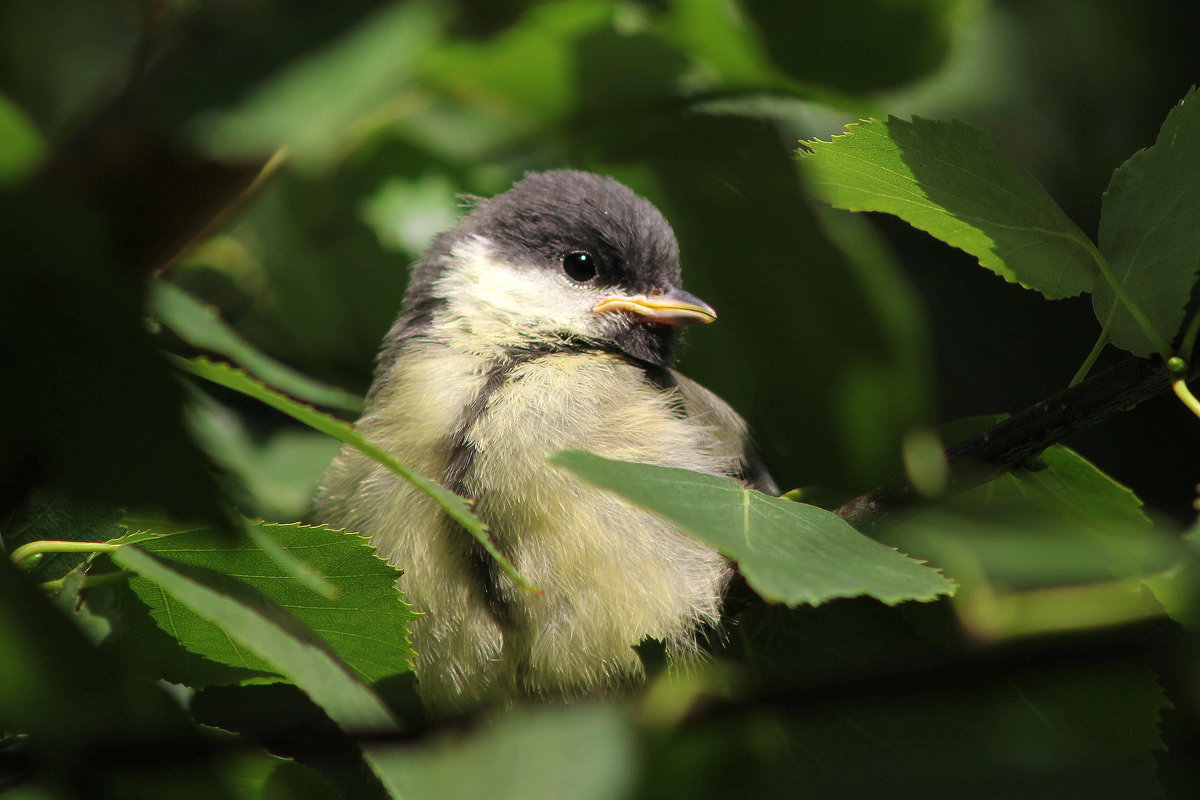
(562, 258)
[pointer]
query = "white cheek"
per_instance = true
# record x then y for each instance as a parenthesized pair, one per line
(490, 302)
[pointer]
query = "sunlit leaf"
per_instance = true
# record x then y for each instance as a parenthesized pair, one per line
(959, 185)
(789, 552)
(1150, 233)
(365, 624)
(272, 635)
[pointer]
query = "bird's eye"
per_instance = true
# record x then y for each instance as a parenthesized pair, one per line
(579, 266)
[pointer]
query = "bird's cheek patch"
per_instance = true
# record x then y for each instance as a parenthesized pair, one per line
(498, 300)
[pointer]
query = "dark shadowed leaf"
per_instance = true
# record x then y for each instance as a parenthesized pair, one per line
(1087, 728)
(1064, 484)
(1150, 233)
(69, 696)
(61, 65)
(789, 552)
(857, 45)
(1059, 521)
(281, 719)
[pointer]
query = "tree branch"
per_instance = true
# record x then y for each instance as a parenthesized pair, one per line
(1025, 435)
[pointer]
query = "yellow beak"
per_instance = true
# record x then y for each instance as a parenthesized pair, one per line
(670, 307)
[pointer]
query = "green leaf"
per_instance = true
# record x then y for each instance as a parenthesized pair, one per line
(1150, 233)
(1011, 551)
(789, 552)
(581, 752)
(1063, 484)
(959, 185)
(291, 564)
(154, 652)
(406, 214)
(724, 41)
(273, 636)
(317, 106)
(455, 507)
(366, 625)
(63, 67)
(200, 325)
(21, 147)
(527, 72)
(1060, 522)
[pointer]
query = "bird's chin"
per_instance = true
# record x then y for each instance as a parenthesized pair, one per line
(648, 341)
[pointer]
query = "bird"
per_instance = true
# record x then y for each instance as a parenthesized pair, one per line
(546, 320)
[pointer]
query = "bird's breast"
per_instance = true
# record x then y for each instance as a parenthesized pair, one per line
(609, 574)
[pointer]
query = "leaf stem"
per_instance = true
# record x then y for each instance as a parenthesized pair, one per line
(1185, 396)
(1090, 361)
(90, 581)
(1189, 337)
(38, 548)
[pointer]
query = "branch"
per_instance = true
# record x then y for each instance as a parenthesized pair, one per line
(1023, 436)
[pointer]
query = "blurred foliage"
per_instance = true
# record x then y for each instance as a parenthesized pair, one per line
(133, 140)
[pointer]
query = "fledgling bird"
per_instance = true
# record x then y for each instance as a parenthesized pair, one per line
(546, 320)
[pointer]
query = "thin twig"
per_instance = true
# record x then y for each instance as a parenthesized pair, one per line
(1026, 434)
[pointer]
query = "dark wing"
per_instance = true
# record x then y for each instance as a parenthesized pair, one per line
(702, 405)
